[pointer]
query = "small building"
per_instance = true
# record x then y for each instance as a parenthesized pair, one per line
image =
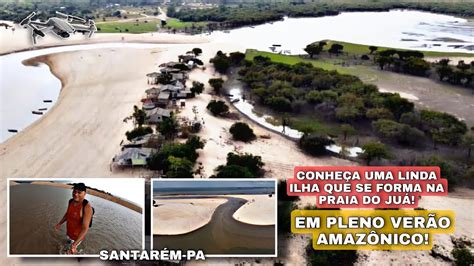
(146, 141)
(133, 157)
(163, 99)
(153, 77)
(157, 115)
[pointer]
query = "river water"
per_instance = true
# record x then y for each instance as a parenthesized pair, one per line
(397, 28)
(35, 209)
(224, 235)
(425, 31)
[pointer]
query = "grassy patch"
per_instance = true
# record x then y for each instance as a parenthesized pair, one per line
(130, 27)
(360, 49)
(177, 24)
(312, 125)
(292, 59)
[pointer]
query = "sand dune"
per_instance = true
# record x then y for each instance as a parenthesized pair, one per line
(259, 210)
(181, 215)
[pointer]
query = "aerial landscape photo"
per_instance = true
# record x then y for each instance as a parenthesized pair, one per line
(225, 89)
(221, 217)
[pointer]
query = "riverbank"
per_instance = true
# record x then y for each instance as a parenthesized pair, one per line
(182, 214)
(223, 234)
(20, 39)
(93, 192)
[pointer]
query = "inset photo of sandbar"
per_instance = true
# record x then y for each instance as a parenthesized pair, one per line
(74, 217)
(224, 218)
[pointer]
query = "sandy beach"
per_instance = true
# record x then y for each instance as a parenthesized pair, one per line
(175, 216)
(259, 210)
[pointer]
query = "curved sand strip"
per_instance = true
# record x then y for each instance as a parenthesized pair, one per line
(223, 234)
(259, 210)
(181, 215)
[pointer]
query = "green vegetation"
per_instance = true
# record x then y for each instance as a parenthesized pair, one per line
(128, 27)
(286, 204)
(216, 84)
(222, 62)
(463, 256)
(250, 54)
(177, 24)
(138, 132)
(240, 166)
(168, 127)
(375, 151)
(177, 159)
(218, 108)
(361, 49)
(241, 131)
(197, 87)
(314, 144)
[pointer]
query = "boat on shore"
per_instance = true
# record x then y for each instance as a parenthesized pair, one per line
(36, 113)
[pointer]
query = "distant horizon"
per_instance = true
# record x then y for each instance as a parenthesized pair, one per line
(167, 186)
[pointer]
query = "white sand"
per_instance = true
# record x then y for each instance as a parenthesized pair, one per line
(181, 215)
(259, 210)
(405, 95)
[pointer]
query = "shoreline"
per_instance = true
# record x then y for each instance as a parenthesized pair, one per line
(178, 209)
(90, 191)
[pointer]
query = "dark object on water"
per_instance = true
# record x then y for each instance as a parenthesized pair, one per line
(47, 101)
(42, 109)
(13, 130)
(234, 100)
(276, 45)
(36, 113)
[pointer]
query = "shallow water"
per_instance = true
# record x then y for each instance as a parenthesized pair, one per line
(223, 235)
(370, 28)
(35, 209)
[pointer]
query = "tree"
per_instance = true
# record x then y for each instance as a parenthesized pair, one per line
(382, 61)
(218, 108)
(242, 131)
(279, 103)
(402, 133)
(253, 163)
(346, 130)
(221, 62)
(232, 171)
(197, 51)
(468, 142)
(373, 49)
(462, 66)
(197, 87)
(139, 116)
(444, 128)
(236, 58)
(216, 84)
(444, 71)
(240, 165)
(138, 132)
(314, 144)
(375, 151)
(179, 168)
(463, 256)
(313, 49)
(379, 113)
(168, 127)
(336, 49)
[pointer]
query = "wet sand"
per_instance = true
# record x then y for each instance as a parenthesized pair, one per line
(224, 235)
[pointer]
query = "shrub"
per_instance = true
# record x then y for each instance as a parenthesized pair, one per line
(217, 108)
(242, 131)
(314, 144)
(138, 132)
